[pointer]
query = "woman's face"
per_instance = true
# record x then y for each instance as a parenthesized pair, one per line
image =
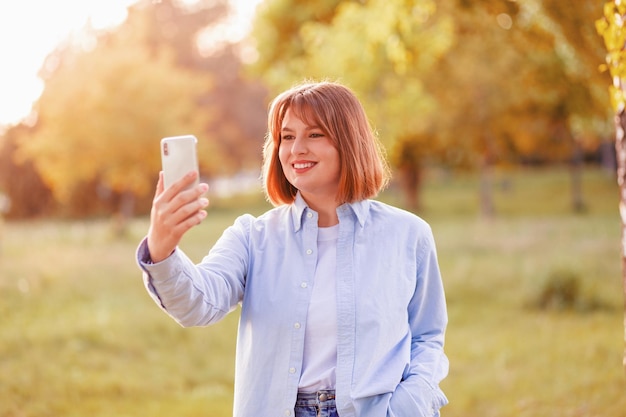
(309, 159)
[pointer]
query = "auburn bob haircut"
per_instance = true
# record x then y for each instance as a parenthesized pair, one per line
(336, 110)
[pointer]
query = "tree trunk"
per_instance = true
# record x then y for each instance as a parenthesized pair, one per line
(410, 181)
(408, 162)
(487, 208)
(576, 172)
(620, 149)
(126, 211)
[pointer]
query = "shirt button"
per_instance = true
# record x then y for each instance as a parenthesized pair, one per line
(309, 215)
(296, 325)
(287, 413)
(309, 251)
(303, 285)
(292, 370)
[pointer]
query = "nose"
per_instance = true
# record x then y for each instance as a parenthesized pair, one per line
(299, 145)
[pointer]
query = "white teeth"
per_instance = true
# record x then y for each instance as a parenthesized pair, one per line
(302, 166)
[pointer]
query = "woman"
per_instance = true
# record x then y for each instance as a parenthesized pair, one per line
(342, 304)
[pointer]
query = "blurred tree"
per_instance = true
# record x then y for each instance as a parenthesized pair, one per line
(193, 34)
(19, 181)
(611, 28)
(378, 48)
(460, 82)
(104, 106)
(474, 88)
(584, 104)
(521, 97)
(110, 96)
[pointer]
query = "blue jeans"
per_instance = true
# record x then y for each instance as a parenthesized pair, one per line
(316, 404)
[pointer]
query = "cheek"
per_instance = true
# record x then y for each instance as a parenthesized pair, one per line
(283, 155)
(337, 162)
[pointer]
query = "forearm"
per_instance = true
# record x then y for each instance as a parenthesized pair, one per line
(181, 290)
(428, 318)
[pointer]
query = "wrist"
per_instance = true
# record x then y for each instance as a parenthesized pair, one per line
(156, 254)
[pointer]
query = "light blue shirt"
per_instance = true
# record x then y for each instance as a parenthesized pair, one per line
(391, 309)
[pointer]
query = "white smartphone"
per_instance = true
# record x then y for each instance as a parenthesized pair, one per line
(178, 157)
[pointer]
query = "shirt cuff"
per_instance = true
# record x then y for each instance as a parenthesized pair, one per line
(145, 261)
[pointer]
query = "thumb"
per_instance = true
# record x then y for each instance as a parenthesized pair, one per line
(159, 187)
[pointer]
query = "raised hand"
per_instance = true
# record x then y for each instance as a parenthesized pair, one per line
(174, 212)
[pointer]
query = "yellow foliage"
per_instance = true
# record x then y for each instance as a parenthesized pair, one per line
(611, 28)
(486, 80)
(103, 112)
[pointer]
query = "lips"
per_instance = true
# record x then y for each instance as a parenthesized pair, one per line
(303, 165)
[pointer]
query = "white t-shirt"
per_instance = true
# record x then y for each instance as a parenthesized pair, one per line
(320, 340)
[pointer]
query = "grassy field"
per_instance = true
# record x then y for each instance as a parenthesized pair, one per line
(534, 295)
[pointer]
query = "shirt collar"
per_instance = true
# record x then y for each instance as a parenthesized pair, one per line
(359, 208)
(297, 211)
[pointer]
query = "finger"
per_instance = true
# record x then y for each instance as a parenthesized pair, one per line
(172, 216)
(185, 182)
(188, 210)
(160, 183)
(168, 214)
(159, 186)
(202, 188)
(187, 196)
(177, 232)
(176, 193)
(194, 220)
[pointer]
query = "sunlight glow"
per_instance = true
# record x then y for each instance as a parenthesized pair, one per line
(31, 29)
(232, 29)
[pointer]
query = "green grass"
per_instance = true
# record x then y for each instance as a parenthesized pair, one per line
(79, 335)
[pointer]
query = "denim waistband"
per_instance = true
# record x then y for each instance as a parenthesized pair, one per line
(316, 398)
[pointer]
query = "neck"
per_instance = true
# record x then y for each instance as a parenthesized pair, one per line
(327, 219)
(326, 210)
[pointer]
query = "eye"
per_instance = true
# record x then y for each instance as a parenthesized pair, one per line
(316, 135)
(287, 137)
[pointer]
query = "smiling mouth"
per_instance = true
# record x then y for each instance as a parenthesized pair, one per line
(303, 165)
